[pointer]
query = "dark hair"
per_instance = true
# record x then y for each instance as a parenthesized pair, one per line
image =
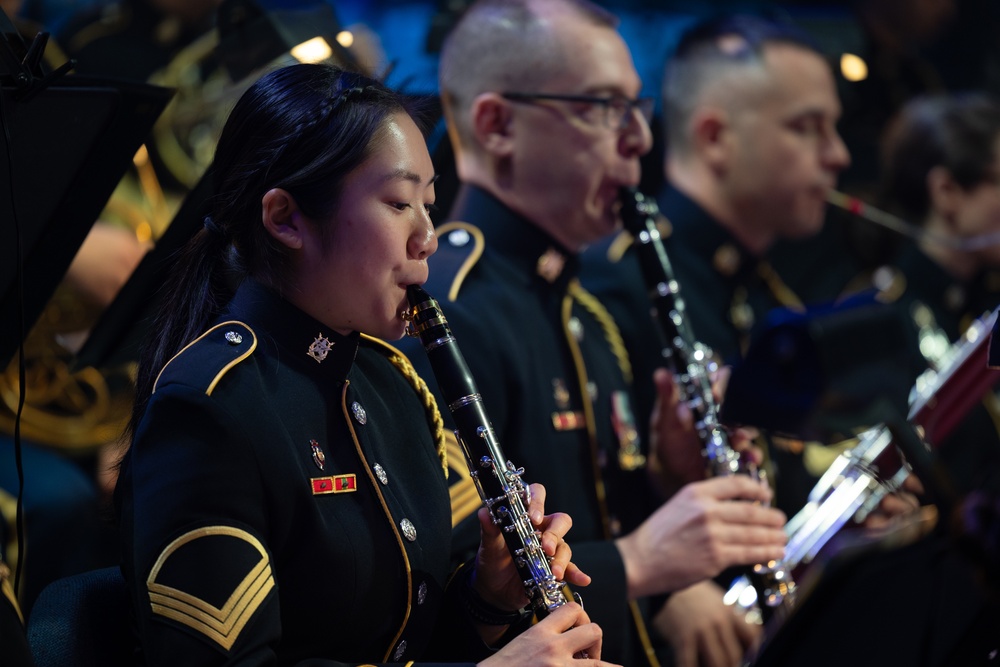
(302, 128)
(957, 132)
(705, 51)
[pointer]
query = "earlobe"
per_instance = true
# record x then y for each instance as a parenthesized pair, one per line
(282, 219)
(491, 123)
(708, 127)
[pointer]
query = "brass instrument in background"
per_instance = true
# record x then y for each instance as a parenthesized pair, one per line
(82, 409)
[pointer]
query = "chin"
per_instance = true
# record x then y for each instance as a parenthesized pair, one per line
(394, 331)
(807, 225)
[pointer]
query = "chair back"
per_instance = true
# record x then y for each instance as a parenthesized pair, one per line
(82, 621)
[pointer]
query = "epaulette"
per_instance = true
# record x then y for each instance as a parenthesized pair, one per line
(619, 246)
(206, 359)
(460, 245)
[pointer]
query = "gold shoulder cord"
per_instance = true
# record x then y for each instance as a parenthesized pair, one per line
(613, 335)
(434, 419)
(785, 296)
(611, 331)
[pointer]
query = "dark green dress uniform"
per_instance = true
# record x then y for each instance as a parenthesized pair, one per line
(549, 365)
(282, 502)
(940, 309)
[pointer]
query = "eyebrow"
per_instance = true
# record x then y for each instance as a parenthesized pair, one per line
(406, 175)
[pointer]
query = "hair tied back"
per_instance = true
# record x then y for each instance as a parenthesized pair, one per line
(212, 228)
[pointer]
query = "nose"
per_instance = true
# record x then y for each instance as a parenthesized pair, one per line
(637, 137)
(836, 156)
(423, 242)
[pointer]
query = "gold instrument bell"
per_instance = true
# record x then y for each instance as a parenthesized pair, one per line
(82, 409)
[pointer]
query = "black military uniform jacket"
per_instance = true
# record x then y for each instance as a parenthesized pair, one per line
(553, 386)
(282, 502)
(718, 276)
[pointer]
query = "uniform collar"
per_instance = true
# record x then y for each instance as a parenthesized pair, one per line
(297, 338)
(538, 256)
(701, 234)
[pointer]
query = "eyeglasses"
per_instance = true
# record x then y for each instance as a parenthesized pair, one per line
(616, 109)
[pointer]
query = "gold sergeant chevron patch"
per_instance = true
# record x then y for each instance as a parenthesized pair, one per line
(224, 623)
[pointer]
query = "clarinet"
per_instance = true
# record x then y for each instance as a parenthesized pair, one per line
(497, 479)
(690, 362)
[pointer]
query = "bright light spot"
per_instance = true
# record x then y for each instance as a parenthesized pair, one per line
(853, 67)
(141, 156)
(345, 38)
(748, 597)
(312, 51)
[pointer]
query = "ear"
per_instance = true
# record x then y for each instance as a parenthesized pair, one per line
(282, 219)
(709, 136)
(492, 126)
(944, 193)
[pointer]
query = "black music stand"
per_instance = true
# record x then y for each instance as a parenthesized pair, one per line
(71, 139)
(893, 601)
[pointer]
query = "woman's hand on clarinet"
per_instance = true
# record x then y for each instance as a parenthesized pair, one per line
(496, 579)
(564, 637)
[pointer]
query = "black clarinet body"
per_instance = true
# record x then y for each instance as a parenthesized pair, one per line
(498, 480)
(691, 364)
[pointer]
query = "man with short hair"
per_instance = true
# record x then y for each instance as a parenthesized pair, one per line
(750, 111)
(541, 102)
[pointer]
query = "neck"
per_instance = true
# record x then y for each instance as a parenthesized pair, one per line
(699, 184)
(959, 264)
(518, 197)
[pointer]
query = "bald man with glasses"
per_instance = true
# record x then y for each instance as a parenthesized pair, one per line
(544, 115)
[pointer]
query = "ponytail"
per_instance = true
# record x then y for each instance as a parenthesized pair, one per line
(191, 299)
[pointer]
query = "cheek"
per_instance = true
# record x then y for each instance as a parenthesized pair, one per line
(991, 216)
(980, 214)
